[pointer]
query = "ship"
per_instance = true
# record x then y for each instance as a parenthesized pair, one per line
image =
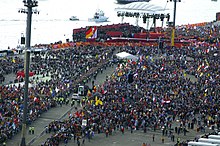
(99, 16)
(130, 1)
(74, 18)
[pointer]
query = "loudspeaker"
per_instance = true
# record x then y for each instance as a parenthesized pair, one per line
(144, 19)
(22, 40)
(154, 20)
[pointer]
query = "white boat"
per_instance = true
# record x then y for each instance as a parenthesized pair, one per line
(99, 16)
(74, 18)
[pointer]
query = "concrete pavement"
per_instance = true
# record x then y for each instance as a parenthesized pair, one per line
(137, 138)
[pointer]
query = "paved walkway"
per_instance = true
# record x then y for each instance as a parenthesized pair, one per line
(132, 139)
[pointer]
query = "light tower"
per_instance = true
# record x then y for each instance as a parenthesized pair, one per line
(29, 4)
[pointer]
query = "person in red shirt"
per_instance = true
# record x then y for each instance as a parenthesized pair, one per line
(122, 129)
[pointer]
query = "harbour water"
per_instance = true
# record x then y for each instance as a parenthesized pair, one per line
(53, 24)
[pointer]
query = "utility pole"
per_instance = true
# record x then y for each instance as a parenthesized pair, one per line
(29, 4)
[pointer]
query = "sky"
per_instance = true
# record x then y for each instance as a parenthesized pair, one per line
(188, 11)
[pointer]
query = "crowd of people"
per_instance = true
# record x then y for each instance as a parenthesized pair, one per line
(207, 32)
(64, 70)
(167, 84)
(9, 65)
(162, 86)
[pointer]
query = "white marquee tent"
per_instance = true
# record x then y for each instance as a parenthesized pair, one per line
(125, 55)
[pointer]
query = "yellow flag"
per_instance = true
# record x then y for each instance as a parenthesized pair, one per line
(201, 74)
(51, 91)
(97, 102)
(100, 102)
(89, 93)
(199, 68)
(13, 60)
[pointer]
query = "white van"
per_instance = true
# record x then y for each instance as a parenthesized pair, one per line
(193, 143)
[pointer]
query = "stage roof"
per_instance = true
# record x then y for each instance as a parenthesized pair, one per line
(142, 7)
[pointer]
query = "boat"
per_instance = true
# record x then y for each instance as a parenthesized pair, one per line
(99, 16)
(74, 18)
(130, 1)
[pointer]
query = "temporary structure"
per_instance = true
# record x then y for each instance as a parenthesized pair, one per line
(125, 55)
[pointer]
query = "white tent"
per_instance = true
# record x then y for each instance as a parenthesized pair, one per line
(125, 55)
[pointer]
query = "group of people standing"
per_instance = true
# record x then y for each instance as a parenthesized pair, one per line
(168, 84)
(57, 73)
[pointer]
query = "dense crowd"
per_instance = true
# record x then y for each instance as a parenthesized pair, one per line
(9, 65)
(167, 84)
(209, 32)
(65, 69)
